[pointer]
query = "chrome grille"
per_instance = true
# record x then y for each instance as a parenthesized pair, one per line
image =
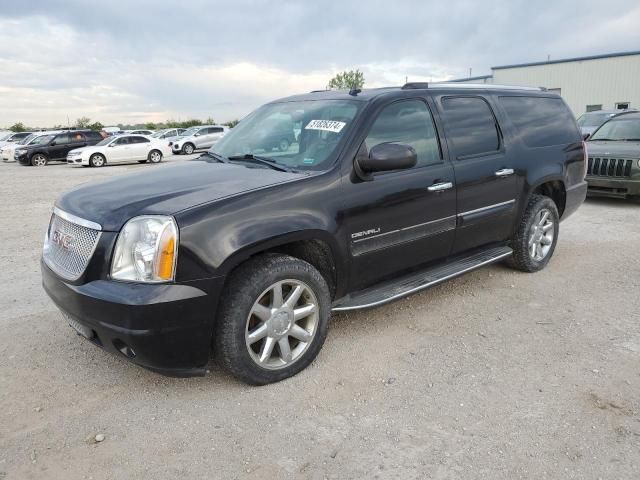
(68, 247)
(609, 167)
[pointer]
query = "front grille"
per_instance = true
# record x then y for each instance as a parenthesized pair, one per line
(69, 247)
(609, 167)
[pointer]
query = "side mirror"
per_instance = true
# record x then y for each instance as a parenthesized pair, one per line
(586, 136)
(197, 134)
(386, 157)
(53, 144)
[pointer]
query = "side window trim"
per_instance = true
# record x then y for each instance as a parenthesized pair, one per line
(497, 125)
(435, 128)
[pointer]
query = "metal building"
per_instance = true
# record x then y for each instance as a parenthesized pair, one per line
(596, 82)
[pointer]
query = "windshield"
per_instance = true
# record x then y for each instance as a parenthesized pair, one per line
(105, 141)
(5, 135)
(159, 134)
(41, 140)
(593, 119)
(190, 131)
(300, 135)
(619, 128)
(27, 140)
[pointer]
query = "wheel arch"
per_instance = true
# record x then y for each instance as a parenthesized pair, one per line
(554, 188)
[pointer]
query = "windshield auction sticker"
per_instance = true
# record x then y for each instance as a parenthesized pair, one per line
(326, 125)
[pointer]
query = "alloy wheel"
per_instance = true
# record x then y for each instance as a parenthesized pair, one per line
(541, 235)
(39, 160)
(282, 324)
(155, 157)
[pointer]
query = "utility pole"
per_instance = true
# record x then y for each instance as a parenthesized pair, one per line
(470, 72)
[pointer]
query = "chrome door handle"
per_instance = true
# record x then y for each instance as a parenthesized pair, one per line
(505, 172)
(440, 187)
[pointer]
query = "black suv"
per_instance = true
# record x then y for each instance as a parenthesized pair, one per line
(247, 251)
(614, 157)
(55, 147)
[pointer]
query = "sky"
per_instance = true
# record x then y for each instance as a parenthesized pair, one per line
(120, 61)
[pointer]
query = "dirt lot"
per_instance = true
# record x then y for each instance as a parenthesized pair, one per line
(496, 375)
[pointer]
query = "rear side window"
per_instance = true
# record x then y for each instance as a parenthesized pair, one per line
(541, 121)
(93, 135)
(470, 126)
(215, 130)
(138, 140)
(408, 122)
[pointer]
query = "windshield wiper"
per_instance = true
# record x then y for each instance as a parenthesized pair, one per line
(216, 156)
(249, 157)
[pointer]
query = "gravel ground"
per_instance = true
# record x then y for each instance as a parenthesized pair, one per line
(496, 375)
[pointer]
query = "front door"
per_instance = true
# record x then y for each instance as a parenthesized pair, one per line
(484, 171)
(60, 146)
(400, 219)
(118, 151)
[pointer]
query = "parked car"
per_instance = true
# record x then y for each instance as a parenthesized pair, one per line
(389, 191)
(54, 147)
(8, 151)
(139, 132)
(169, 133)
(590, 121)
(119, 149)
(614, 157)
(13, 137)
(196, 138)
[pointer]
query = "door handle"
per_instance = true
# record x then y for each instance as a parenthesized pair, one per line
(504, 172)
(440, 187)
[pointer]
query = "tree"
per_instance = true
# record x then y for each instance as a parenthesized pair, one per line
(17, 127)
(150, 126)
(232, 123)
(95, 126)
(82, 122)
(210, 121)
(347, 80)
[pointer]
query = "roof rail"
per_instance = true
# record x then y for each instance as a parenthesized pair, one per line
(487, 86)
(415, 85)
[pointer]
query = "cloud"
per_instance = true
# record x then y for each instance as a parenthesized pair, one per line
(148, 61)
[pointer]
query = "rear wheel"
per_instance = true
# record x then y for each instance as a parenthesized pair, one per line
(536, 236)
(273, 319)
(188, 148)
(39, 160)
(155, 156)
(97, 160)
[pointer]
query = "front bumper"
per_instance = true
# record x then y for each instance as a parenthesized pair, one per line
(22, 159)
(166, 328)
(614, 187)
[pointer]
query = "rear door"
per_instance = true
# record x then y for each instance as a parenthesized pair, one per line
(400, 219)
(139, 147)
(484, 171)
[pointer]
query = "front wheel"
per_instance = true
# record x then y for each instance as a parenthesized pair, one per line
(97, 160)
(283, 145)
(39, 160)
(536, 236)
(188, 149)
(273, 319)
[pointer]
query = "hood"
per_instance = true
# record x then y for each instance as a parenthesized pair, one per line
(611, 149)
(166, 190)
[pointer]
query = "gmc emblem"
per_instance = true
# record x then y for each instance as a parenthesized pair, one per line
(62, 239)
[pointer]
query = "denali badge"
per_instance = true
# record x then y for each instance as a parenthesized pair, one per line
(62, 239)
(371, 231)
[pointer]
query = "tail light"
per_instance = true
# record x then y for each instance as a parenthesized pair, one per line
(586, 158)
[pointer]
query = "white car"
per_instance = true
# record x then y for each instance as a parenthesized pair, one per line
(7, 151)
(196, 138)
(120, 149)
(13, 137)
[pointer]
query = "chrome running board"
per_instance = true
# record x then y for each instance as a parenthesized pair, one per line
(416, 281)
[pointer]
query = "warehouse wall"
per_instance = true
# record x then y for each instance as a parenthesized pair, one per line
(603, 81)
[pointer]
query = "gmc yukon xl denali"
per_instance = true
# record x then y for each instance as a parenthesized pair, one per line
(246, 251)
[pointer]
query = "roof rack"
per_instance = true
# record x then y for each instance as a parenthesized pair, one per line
(487, 86)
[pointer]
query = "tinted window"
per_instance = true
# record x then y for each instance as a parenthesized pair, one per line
(138, 140)
(93, 135)
(216, 130)
(77, 137)
(541, 121)
(470, 126)
(122, 141)
(407, 122)
(63, 139)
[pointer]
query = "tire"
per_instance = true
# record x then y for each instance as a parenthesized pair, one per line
(39, 160)
(248, 290)
(188, 148)
(155, 156)
(536, 236)
(97, 160)
(283, 145)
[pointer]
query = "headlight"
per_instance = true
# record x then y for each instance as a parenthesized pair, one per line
(638, 163)
(146, 250)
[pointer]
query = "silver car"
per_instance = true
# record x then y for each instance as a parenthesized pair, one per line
(169, 133)
(590, 121)
(197, 138)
